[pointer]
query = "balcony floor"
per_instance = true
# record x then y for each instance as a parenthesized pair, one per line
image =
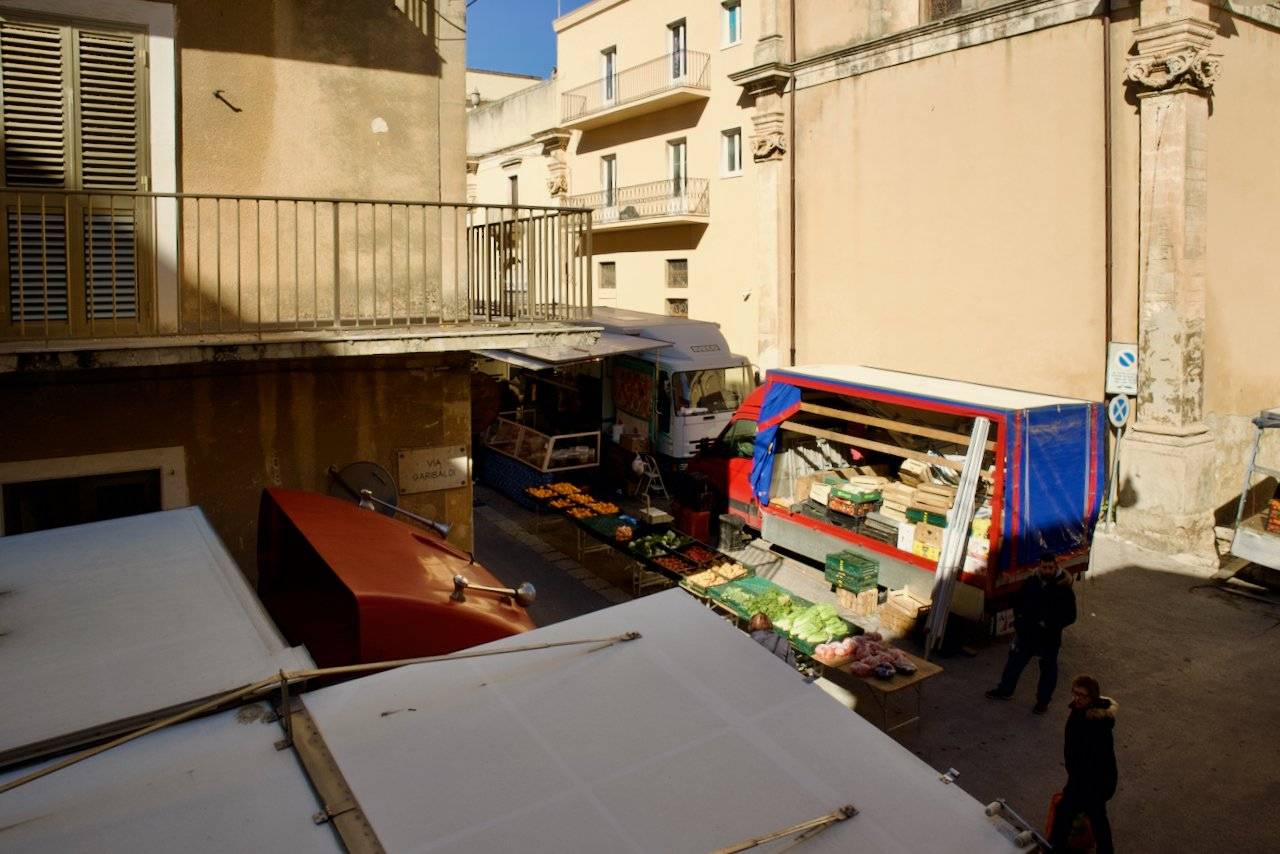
(41, 355)
(649, 104)
(651, 222)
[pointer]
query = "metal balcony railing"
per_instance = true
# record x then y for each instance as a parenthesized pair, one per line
(80, 265)
(685, 68)
(687, 197)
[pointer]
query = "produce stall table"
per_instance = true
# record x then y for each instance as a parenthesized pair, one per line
(881, 689)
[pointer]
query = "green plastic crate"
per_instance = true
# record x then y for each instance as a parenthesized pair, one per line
(936, 519)
(752, 585)
(854, 496)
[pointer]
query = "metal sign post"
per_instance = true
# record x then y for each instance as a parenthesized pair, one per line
(1118, 412)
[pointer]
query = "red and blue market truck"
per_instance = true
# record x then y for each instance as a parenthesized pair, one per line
(809, 429)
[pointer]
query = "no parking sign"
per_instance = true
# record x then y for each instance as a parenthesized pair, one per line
(1119, 410)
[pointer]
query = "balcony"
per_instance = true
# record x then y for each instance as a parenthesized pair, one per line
(670, 80)
(651, 205)
(99, 277)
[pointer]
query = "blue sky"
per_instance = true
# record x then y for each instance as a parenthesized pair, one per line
(514, 35)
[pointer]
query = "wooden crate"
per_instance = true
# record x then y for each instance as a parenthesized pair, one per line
(863, 604)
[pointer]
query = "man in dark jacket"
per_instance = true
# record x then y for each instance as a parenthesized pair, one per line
(1090, 755)
(1045, 607)
(761, 628)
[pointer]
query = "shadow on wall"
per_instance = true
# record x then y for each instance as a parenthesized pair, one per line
(671, 238)
(393, 35)
(663, 122)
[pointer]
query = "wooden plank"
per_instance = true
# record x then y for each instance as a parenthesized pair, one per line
(339, 807)
(890, 424)
(871, 445)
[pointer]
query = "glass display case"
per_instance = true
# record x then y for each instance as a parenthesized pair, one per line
(542, 451)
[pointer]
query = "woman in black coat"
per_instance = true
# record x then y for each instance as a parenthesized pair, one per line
(1090, 754)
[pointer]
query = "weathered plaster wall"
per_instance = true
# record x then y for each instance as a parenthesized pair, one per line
(336, 98)
(513, 119)
(952, 209)
(245, 426)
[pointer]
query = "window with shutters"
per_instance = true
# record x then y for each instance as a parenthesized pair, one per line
(73, 112)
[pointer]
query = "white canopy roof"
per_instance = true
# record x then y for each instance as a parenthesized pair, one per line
(936, 387)
(691, 738)
(116, 620)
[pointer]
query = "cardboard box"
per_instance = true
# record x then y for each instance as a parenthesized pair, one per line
(634, 442)
(929, 535)
(927, 552)
(906, 536)
(907, 602)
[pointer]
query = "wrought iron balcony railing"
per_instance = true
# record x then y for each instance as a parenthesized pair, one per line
(686, 197)
(80, 265)
(681, 69)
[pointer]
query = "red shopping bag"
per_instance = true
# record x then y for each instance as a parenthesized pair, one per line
(1081, 836)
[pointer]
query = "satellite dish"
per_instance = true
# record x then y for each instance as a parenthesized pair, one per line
(353, 478)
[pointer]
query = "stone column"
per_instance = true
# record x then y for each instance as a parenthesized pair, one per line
(555, 145)
(765, 86)
(1166, 502)
(473, 166)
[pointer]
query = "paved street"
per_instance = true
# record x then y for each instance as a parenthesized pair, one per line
(1193, 670)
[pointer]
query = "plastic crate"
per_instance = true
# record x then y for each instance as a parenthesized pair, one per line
(752, 585)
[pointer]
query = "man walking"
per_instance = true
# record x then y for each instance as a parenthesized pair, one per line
(1045, 607)
(1089, 752)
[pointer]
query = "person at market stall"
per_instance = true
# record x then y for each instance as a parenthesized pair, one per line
(1046, 605)
(761, 628)
(1089, 753)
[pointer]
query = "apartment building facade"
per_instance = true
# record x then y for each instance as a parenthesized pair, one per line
(642, 125)
(238, 253)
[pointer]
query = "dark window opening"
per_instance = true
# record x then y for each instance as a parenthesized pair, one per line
(40, 505)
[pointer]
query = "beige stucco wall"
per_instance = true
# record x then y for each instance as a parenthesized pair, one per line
(1242, 305)
(952, 209)
(243, 427)
(316, 82)
(721, 256)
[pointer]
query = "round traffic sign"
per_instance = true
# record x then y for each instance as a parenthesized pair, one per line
(1119, 410)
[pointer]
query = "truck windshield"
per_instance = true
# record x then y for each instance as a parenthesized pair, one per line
(714, 390)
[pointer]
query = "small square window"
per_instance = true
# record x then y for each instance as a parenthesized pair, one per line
(731, 22)
(608, 274)
(677, 272)
(678, 307)
(731, 152)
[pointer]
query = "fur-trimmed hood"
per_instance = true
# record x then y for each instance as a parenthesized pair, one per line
(1102, 710)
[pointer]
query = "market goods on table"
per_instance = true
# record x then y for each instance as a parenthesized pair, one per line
(851, 571)
(563, 488)
(812, 626)
(716, 575)
(674, 563)
(582, 512)
(560, 503)
(699, 553)
(752, 595)
(622, 533)
(604, 508)
(864, 654)
(654, 545)
(542, 492)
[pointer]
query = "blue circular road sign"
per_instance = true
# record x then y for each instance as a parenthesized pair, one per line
(1118, 410)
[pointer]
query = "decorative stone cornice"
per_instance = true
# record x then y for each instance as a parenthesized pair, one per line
(768, 79)
(1175, 54)
(511, 162)
(553, 139)
(473, 165)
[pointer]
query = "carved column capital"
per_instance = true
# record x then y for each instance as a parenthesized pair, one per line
(555, 146)
(769, 142)
(1175, 55)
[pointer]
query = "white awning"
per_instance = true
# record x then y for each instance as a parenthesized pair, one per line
(114, 621)
(544, 358)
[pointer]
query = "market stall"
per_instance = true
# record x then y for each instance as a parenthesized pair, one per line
(867, 460)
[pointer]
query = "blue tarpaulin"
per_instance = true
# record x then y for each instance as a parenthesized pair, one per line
(781, 401)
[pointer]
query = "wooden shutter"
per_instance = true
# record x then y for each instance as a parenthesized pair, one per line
(33, 72)
(73, 119)
(108, 96)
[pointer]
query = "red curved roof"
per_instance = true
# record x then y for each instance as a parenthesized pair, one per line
(401, 578)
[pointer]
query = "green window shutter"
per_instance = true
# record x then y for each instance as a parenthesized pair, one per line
(34, 77)
(108, 100)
